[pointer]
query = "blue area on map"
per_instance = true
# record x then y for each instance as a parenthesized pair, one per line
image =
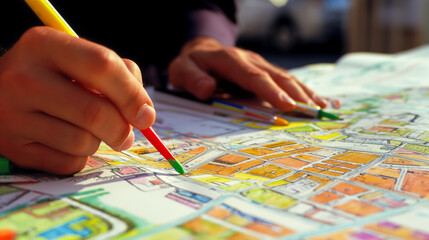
(200, 198)
(66, 230)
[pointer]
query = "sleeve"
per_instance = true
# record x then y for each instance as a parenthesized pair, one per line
(215, 19)
(208, 18)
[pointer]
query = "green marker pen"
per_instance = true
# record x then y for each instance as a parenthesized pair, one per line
(5, 166)
(314, 111)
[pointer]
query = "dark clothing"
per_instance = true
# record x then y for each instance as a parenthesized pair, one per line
(149, 32)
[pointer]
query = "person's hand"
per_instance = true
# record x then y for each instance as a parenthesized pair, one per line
(60, 96)
(204, 59)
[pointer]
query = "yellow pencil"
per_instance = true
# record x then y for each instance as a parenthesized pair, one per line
(50, 17)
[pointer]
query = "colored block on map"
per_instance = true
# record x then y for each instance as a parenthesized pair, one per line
(291, 162)
(212, 167)
(292, 147)
(376, 181)
(383, 129)
(417, 148)
(394, 230)
(205, 227)
(57, 219)
(278, 144)
(326, 136)
(257, 151)
(183, 157)
(404, 161)
(322, 171)
(230, 159)
(304, 150)
(308, 157)
(348, 189)
(341, 164)
(331, 167)
(197, 150)
(295, 176)
(277, 155)
(382, 171)
(355, 157)
(277, 183)
(250, 177)
(273, 230)
(321, 180)
(359, 208)
(269, 171)
(417, 181)
(239, 167)
(340, 235)
(238, 220)
(325, 197)
(270, 198)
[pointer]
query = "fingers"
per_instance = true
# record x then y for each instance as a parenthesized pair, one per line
(233, 64)
(288, 82)
(254, 73)
(95, 67)
(60, 135)
(134, 69)
(185, 74)
(54, 95)
(46, 159)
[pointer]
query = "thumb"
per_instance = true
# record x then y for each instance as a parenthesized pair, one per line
(185, 74)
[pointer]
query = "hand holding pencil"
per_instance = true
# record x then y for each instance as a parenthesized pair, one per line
(61, 96)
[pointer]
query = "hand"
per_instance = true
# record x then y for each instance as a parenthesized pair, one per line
(60, 96)
(203, 58)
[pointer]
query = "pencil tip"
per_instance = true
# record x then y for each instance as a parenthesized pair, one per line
(278, 121)
(176, 165)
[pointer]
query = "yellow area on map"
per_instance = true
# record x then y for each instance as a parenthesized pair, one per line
(327, 136)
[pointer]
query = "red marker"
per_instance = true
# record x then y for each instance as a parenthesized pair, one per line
(153, 138)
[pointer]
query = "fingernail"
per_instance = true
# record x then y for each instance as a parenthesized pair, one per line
(286, 99)
(145, 116)
(127, 143)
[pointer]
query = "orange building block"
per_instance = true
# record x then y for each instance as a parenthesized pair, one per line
(269, 171)
(358, 208)
(329, 167)
(342, 164)
(356, 157)
(382, 171)
(197, 151)
(307, 157)
(322, 171)
(230, 159)
(291, 162)
(325, 197)
(257, 151)
(240, 167)
(376, 181)
(348, 189)
(219, 212)
(417, 181)
(279, 144)
(212, 167)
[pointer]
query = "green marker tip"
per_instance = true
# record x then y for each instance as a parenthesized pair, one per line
(176, 165)
(323, 114)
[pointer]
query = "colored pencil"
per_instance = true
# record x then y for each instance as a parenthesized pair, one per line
(250, 113)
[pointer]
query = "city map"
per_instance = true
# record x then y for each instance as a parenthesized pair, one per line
(365, 176)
